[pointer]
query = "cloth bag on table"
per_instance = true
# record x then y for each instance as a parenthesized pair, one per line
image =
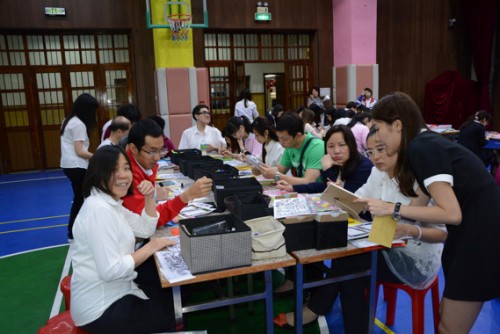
(267, 238)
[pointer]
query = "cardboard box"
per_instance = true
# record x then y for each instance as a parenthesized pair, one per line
(215, 251)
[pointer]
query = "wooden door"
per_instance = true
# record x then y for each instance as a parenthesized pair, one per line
(298, 78)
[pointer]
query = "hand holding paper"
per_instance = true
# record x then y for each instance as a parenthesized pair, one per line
(383, 230)
(376, 207)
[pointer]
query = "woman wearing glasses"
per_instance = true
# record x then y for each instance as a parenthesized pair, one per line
(416, 265)
(466, 199)
(202, 134)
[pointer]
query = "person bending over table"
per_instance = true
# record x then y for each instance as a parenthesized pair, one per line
(466, 199)
(104, 296)
(416, 265)
(242, 141)
(202, 132)
(272, 151)
(145, 145)
(302, 153)
(344, 165)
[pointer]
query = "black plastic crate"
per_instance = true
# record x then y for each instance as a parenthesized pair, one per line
(225, 188)
(175, 155)
(188, 164)
(224, 172)
(248, 205)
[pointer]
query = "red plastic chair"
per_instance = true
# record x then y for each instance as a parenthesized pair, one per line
(65, 288)
(61, 324)
(417, 304)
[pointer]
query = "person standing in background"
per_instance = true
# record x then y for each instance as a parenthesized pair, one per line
(75, 154)
(473, 135)
(245, 106)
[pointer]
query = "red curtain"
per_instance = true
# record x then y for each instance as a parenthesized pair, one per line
(480, 18)
(450, 99)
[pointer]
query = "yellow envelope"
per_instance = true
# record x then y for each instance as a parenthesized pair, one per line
(383, 230)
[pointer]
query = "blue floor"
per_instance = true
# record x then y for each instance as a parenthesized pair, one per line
(34, 211)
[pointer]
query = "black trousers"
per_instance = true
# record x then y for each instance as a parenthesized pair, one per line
(76, 177)
(353, 296)
(131, 314)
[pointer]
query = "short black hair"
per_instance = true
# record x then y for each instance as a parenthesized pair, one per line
(196, 110)
(351, 104)
(290, 122)
(160, 121)
(101, 168)
(369, 89)
(130, 112)
(141, 129)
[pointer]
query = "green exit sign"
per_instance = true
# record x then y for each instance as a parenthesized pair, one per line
(263, 17)
(55, 11)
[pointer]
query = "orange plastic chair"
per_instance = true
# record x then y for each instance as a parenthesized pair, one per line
(61, 324)
(65, 288)
(417, 304)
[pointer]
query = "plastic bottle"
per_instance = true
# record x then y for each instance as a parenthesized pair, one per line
(203, 146)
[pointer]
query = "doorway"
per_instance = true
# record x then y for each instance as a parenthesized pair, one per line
(274, 84)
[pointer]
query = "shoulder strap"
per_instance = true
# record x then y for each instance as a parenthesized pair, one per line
(299, 167)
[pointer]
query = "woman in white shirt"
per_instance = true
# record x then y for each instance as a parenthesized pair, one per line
(416, 265)
(265, 133)
(75, 142)
(245, 106)
(104, 296)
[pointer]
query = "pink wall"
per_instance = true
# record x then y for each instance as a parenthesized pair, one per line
(354, 32)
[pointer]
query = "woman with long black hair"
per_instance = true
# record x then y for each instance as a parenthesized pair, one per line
(75, 155)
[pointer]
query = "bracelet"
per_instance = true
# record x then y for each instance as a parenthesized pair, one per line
(419, 233)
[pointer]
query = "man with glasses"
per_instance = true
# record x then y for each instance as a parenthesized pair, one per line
(145, 149)
(302, 154)
(202, 133)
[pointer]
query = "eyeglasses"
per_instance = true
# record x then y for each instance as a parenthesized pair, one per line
(161, 152)
(204, 113)
(377, 150)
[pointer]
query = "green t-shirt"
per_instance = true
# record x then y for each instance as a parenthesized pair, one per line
(312, 156)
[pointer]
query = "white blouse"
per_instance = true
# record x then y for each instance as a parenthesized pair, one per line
(250, 111)
(103, 267)
(75, 130)
(418, 263)
(274, 152)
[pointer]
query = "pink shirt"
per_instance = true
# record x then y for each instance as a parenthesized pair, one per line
(360, 132)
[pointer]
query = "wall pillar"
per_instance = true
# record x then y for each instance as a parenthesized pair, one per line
(354, 49)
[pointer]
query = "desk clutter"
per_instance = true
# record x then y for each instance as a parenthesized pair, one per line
(243, 224)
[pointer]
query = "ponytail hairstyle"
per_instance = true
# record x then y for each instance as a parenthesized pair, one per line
(478, 116)
(400, 106)
(246, 96)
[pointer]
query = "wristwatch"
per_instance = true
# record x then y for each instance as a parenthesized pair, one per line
(277, 176)
(396, 215)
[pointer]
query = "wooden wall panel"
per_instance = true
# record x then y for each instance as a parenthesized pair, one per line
(415, 44)
(287, 15)
(28, 15)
